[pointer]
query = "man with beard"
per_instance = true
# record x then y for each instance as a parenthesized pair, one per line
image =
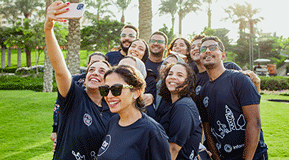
(230, 107)
(157, 44)
(128, 34)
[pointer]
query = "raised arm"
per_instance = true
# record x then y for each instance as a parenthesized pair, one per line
(63, 76)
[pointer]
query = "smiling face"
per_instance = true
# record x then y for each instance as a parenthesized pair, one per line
(126, 37)
(169, 60)
(137, 49)
(195, 50)
(156, 47)
(176, 78)
(94, 76)
(211, 59)
(123, 102)
(180, 47)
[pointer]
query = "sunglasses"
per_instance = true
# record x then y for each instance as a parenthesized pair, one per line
(130, 35)
(158, 41)
(211, 48)
(115, 89)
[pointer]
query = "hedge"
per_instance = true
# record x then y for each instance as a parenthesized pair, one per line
(274, 83)
(30, 82)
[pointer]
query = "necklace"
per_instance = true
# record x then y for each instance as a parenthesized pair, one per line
(100, 113)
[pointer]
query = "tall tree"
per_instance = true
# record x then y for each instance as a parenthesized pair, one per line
(245, 15)
(25, 7)
(145, 19)
(48, 71)
(169, 7)
(122, 6)
(73, 54)
(185, 7)
(209, 12)
(101, 7)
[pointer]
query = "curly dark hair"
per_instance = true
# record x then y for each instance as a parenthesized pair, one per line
(132, 77)
(189, 83)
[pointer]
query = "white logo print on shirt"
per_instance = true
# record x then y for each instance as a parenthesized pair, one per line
(78, 156)
(223, 130)
(87, 119)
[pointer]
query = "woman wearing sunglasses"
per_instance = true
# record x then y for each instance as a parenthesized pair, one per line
(83, 114)
(180, 119)
(131, 134)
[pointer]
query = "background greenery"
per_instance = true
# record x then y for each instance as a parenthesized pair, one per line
(27, 116)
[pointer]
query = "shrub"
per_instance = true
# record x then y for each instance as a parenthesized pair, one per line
(274, 83)
(29, 82)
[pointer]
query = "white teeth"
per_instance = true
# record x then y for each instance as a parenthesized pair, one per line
(209, 57)
(172, 83)
(111, 103)
(95, 80)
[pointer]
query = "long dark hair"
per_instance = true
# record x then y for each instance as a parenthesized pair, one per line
(132, 77)
(146, 53)
(189, 83)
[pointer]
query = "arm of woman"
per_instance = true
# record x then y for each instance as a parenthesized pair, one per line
(174, 149)
(62, 74)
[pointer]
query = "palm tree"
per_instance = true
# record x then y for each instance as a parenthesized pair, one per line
(47, 76)
(209, 12)
(122, 6)
(185, 7)
(100, 6)
(245, 15)
(145, 19)
(169, 7)
(73, 55)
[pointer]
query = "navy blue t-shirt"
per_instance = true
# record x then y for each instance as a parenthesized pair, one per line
(151, 83)
(82, 125)
(154, 66)
(222, 100)
(114, 57)
(145, 139)
(181, 121)
(203, 77)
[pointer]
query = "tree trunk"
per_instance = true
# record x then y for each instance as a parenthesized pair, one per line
(3, 57)
(209, 16)
(173, 24)
(145, 19)
(18, 57)
(122, 20)
(47, 73)
(28, 56)
(47, 76)
(9, 57)
(180, 25)
(73, 55)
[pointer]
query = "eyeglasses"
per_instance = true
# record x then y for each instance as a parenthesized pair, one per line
(130, 35)
(158, 41)
(211, 48)
(194, 45)
(115, 89)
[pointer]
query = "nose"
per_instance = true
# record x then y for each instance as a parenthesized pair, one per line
(110, 95)
(95, 72)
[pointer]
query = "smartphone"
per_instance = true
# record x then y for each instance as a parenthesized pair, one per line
(178, 54)
(76, 11)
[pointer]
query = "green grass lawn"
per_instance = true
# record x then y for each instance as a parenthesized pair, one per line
(83, 55)
(26, 119)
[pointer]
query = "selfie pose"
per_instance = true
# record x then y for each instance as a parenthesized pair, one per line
(131, 134)
(84, 115)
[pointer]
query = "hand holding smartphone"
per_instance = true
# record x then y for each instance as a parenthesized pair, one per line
(76, 11)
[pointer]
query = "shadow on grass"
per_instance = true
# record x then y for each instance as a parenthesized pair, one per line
(30, 152)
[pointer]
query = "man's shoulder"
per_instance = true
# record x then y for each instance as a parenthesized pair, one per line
(112, 53)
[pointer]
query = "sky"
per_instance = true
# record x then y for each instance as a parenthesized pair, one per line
(275, 14)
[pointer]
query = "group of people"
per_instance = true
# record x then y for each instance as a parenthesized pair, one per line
(134, 104)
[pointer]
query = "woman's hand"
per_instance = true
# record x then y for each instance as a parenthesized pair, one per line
(148, 98)
(54, 9)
